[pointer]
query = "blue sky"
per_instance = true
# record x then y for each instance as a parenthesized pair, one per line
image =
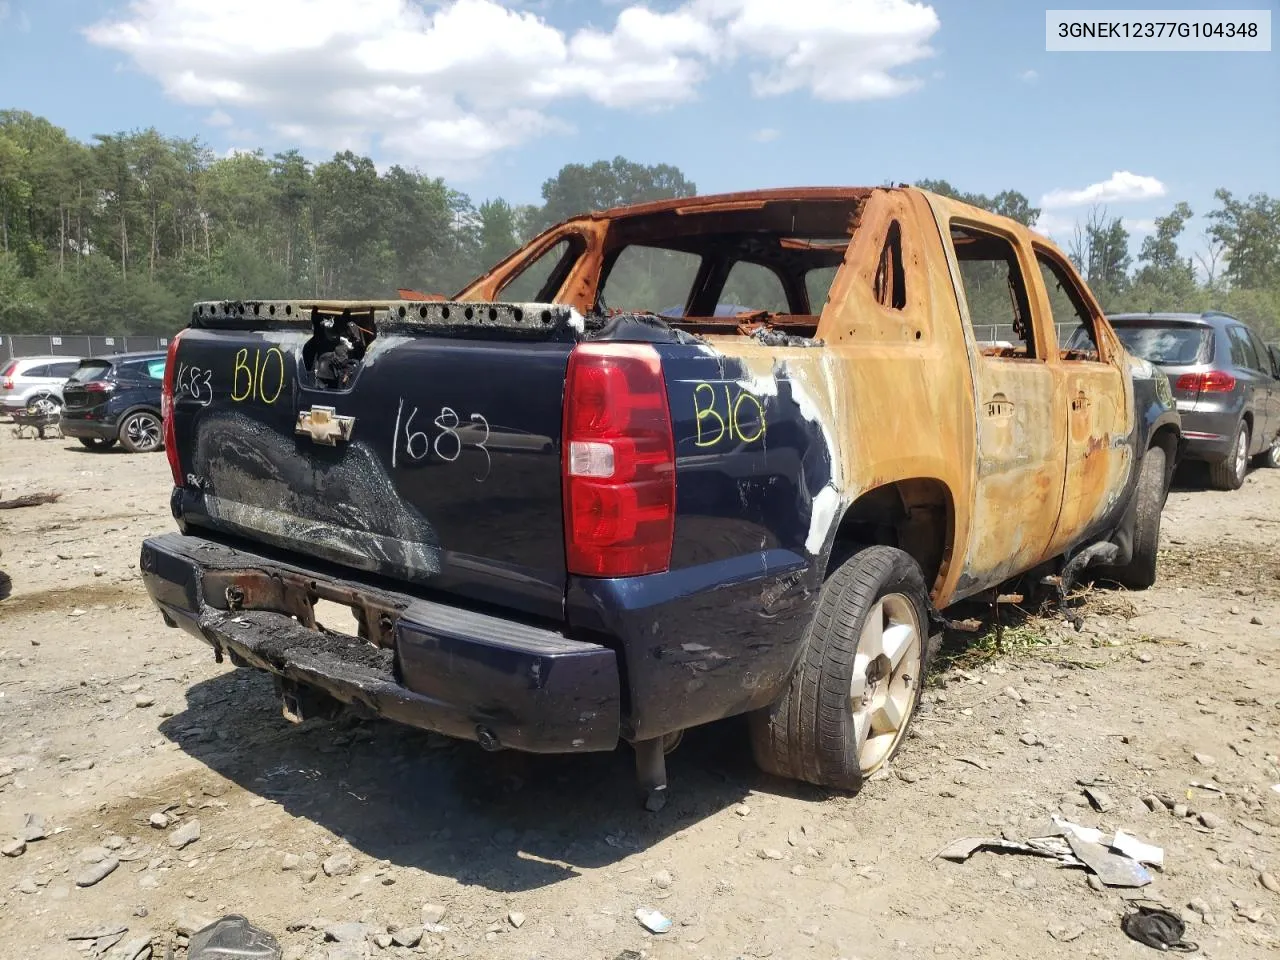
(496, 95)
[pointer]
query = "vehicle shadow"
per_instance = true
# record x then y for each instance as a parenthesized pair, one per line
(1191, 476)
(6, 585)
(506, 821)
(96, 451)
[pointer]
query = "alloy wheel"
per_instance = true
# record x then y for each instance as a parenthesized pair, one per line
(886, 678)
(1242, 452)
(143, 431)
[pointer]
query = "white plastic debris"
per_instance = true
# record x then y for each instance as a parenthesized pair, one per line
(652, 920)
(1116, 860)
(1088, 834)
(1135, 849)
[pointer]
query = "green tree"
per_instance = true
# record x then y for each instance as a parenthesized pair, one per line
(497, 231)
(121, 234)
(579, 188)
(419, 230)
(349, 207)
(1160, 265)
(1100, 250)
(290, 200)
(1249, 231)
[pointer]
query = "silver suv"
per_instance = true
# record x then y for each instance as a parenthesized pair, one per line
(26, 379)
(1226, 383)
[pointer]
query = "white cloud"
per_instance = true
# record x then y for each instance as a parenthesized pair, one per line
(766, 134)
(1121, 185)
(219, 118)
(1138, 224)
(1055, 225)
(1028, 76)
(836, 49)
(458, 80)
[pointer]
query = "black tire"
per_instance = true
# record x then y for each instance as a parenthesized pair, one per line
(1229, 473)
(97, 443)
(1140, 572)
(142, 432)
(1270, 457)
(40, 398)
(808, 733)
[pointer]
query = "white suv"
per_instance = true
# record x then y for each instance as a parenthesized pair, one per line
(29, 378)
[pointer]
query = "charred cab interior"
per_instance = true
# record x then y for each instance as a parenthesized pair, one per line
(732, 266)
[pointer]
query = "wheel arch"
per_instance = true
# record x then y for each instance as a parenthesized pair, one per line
(915, 514)
(1167, 436)
(138, 408)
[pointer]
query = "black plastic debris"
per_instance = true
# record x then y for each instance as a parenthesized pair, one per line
(232, 938)
(1157, 928)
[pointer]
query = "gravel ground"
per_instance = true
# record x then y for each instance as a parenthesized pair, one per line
(171, 791)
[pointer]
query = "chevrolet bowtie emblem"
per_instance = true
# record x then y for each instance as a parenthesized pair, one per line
(322, 425)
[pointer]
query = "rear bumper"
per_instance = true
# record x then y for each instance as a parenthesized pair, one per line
(1209, 436)
(94, 429)
(1209, 427)
(460, 673)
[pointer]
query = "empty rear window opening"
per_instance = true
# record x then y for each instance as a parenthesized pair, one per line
(1172, 345)
(728, 270)
(644, 279)
(817, 283)
(541, 278)
(1068, 310)
(996, 294)
(755, 288)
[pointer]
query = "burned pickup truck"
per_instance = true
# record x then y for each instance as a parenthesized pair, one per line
(666, 464)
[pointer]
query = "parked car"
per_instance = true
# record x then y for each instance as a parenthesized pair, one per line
(27, 379)
(727, 516)
(116, 398)
(1226, 383)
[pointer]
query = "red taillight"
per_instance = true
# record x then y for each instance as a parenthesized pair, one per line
(97, 386)
(7, 383)
(619, 462)
(1215, 381)
(166, 411)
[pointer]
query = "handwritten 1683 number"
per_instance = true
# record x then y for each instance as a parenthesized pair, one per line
(445, 441)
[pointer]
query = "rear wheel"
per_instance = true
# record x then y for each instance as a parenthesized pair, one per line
(141, 432)
(1140, 572)
(44, 403)
(97, 443)
(850, 700)
(1229, 474)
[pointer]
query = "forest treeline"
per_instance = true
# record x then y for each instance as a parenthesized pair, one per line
(121, 234)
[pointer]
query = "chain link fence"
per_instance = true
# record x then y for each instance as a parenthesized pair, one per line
(73, 345)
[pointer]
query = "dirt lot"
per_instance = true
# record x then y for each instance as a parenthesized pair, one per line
(107, 718)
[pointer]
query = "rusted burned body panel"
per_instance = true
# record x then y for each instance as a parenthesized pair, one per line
(1014, 460)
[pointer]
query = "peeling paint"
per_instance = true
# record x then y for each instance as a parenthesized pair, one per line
(825, 506)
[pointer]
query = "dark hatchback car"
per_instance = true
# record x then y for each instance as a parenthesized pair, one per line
(1226, 383)
(115, 398)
